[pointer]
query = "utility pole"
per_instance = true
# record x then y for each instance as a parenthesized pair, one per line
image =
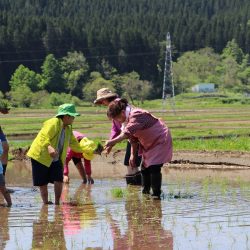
(168, 83)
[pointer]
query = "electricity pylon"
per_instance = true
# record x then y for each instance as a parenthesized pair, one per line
(168, 83)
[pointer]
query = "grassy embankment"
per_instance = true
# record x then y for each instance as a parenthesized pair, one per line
(198, 122)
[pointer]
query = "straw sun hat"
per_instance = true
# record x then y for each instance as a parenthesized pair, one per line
(102, 94)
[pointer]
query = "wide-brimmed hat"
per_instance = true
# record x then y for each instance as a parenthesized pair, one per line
(67, 109)
(102, 94)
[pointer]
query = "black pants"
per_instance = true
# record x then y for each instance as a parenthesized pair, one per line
(152, 178)
(43, 175)
(127, 156)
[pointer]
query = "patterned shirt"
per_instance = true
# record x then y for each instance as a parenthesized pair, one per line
(139, 120)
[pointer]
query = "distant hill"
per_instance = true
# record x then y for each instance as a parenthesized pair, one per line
(130, 34)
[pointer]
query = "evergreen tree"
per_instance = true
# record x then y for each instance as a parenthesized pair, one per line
(126, 33)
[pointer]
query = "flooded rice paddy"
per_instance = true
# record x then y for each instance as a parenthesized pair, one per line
(200, 209)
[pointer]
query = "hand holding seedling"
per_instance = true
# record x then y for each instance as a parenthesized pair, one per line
(109, 144)
(107, 150)
(108, 147)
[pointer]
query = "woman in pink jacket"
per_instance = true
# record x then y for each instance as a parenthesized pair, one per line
(150, 134)
(133, 177)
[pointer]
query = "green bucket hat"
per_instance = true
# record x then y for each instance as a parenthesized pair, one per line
(67, 109)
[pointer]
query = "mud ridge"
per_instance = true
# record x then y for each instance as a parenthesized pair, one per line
(231, 165)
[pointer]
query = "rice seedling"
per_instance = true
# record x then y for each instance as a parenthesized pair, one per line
(117, 192)
(210, 244)
(219, 227)
(196, 230)
(247, 240)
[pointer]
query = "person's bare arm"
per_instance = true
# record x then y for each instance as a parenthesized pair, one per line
(134, 147)
(119, 138)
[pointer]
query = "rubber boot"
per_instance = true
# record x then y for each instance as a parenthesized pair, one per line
(146, 183)
(156, 179)
(134, 179)
(129, 179)
(138, 179)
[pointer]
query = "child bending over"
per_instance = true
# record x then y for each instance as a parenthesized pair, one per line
(90, 148)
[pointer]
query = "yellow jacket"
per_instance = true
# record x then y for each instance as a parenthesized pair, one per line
(49, 135)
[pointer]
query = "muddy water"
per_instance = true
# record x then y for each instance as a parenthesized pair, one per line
(200, 209)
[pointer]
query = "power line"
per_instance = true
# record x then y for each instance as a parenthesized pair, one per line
(92, 57)
(87, 57)
(55, 50)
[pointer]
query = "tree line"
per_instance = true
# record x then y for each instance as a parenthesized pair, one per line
(70, 78)
(129, 35)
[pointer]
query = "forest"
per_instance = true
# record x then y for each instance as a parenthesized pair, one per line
(127, 37)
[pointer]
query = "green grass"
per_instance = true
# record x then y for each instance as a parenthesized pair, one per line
(228, 144)
(196, 116)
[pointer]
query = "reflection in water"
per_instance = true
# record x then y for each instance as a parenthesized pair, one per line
(213, 215)
(79, 210)
(4, 226)
(70, 216)
(49, 234)
(19, 174)
(145, 230)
